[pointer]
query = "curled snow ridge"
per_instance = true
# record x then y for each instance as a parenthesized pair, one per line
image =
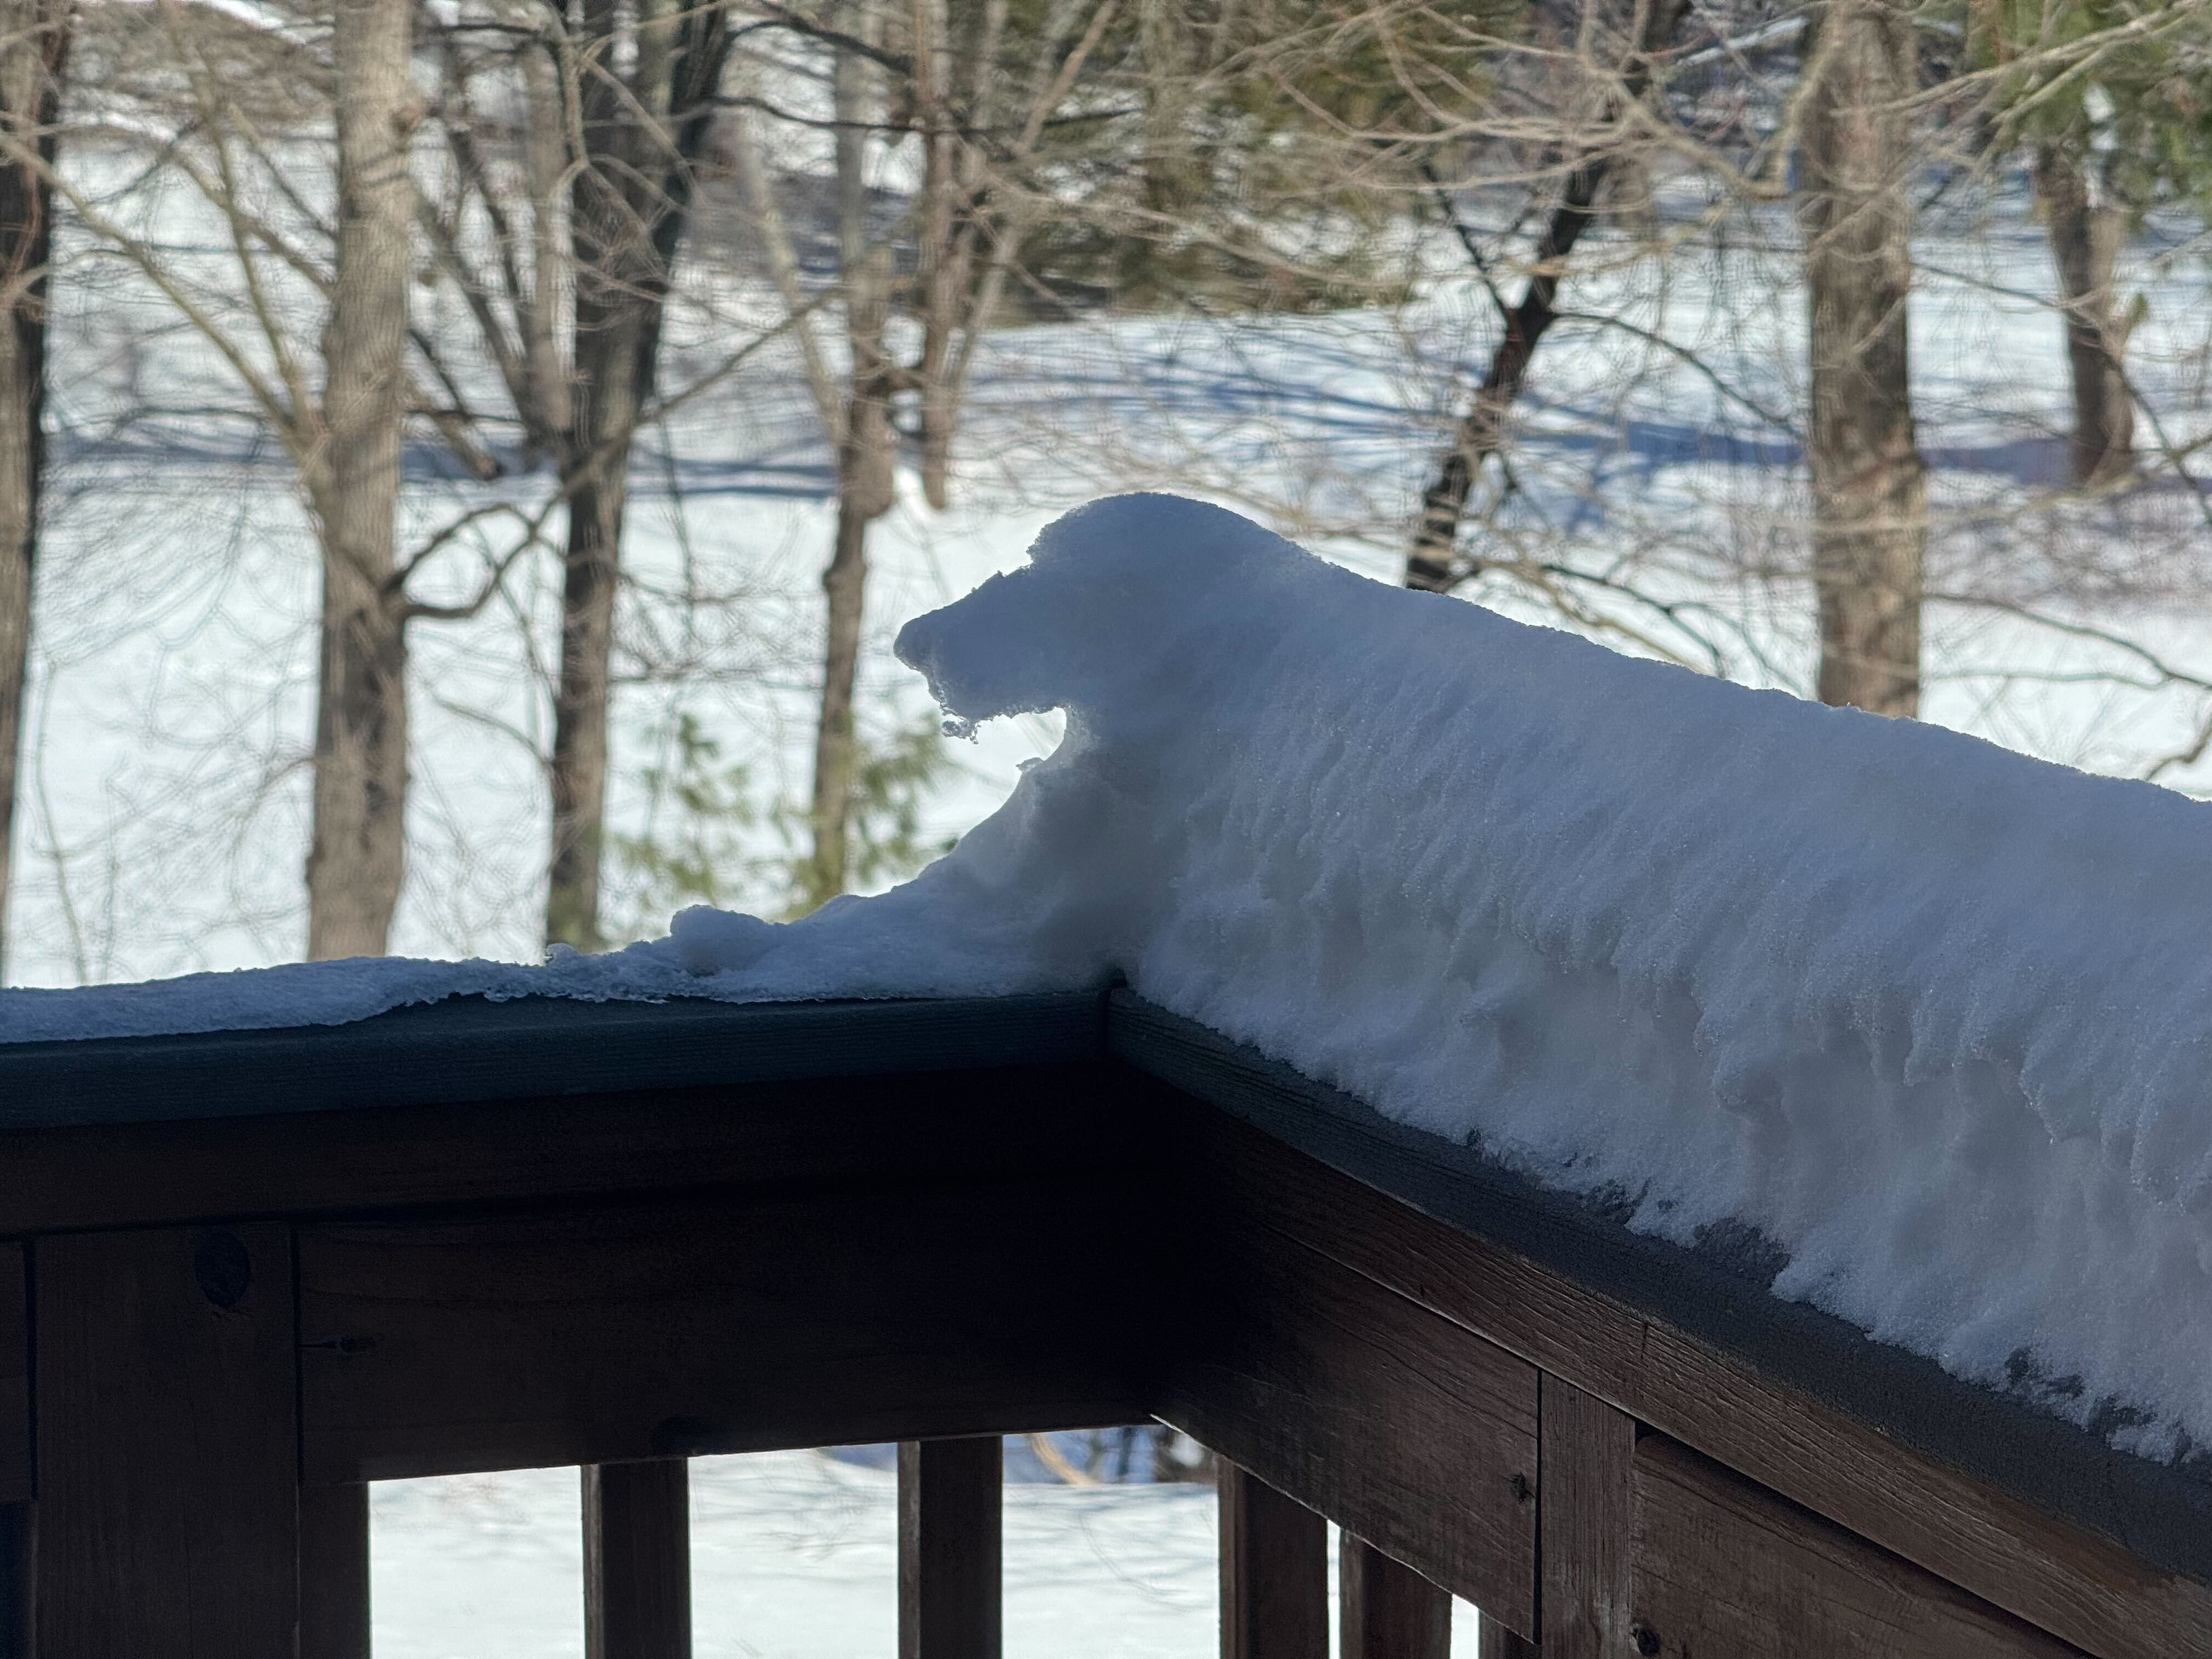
(1934, 1018)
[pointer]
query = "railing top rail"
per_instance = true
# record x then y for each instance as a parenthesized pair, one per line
(468, 1048)
(1719, 1293)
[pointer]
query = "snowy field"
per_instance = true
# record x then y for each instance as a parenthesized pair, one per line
(794, 1556)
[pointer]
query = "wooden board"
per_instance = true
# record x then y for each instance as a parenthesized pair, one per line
(637, 1560)
(971, 1124)
(165, 1374)
(2057, 1577)
(1585, 1503)
(1274, 1573)
(1398, 1425)
(950, 1596)
(334, 1605)
(616, 1332)
(1722, 1569)
(14, 1377)
(1386, 1610)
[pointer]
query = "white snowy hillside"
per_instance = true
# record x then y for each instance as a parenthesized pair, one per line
(1933, 1017)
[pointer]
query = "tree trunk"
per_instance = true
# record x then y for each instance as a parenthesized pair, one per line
(2085, 226)
(1869, 505)
(357, 858)
(34, 37)
(1432, 563)
(942, 264)
(864, 493)
(865, 457)
(627, 212)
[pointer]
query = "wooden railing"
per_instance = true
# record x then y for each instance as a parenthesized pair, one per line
(246, 1275)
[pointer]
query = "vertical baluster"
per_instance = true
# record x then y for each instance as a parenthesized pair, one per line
(1274, 1573)
(1388, 1610)
(637, 1560)
(334, 1616)
(949, 1538)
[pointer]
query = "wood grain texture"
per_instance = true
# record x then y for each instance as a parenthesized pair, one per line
(1392, 1421)
(969, 1124)
(1274, 1573)
(617, 1332)
(1725, 1570)
(1493, 1640)
(1585, 1510)
(167, 1448)
(637, 1559)
(334, 1604)
(949, 1595)
(15, 1375)
(2073, 1583)
(1385, 1610)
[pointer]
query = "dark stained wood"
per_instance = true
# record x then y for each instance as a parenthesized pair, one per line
(464, 1049)
(1004, 1119)
(2056, 1576)
(637, 1560)
(14, 1377)
(616, 1332)
(1397, 1424)
(949, 1585)
(1723, 1568)
(1494, 1641)
(334, 1606)
(166, 1445)
(1274, 1573)
(19, 1536)
(1585, 1510)
(1386, 1610)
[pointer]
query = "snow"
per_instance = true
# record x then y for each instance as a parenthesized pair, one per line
(794, 1556)
(1932, 1016)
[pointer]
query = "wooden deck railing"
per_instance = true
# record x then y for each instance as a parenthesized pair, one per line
(246, 1274)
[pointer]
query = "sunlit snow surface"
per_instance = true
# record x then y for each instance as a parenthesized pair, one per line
(1933, 1017)
(794, 1555)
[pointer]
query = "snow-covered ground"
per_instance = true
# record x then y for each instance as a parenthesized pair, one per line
(794, 1556)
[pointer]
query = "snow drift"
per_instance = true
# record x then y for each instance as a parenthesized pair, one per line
(1934, 1018)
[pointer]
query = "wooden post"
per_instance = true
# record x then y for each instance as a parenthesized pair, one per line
(949, 1542)
(637, 1560)
(1585, 1517)
(166, 1369)
(19, 1534)
(1274, 1573)
(1496, 1642)
(334, 1615)
(1386, 1610)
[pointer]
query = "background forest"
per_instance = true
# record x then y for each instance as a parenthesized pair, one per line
(461, 462)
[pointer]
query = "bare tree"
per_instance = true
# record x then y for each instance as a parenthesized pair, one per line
(34, 39)
(312, 323)
(1870, 500)
(348, 447)
(1599, 154)
(2085, 225)
(894, 75)
(641, 127)
(611, 107)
